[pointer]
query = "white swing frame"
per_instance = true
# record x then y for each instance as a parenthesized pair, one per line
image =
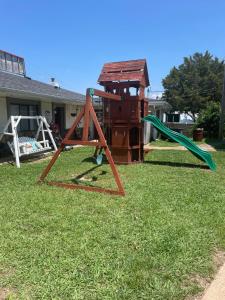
(15, 145)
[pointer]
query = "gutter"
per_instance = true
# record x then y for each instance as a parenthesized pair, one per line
(40, 96)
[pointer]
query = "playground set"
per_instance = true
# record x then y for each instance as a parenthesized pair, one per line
(125, 109)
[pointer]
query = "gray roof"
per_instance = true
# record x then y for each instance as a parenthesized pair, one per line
(14, 83)
(159, 103)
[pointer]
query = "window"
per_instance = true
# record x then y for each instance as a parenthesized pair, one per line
(11, 63)
(175, 118)
(8, 62)
(2, 61)
(14, 110)
(21, 66)
(25, 110)
(33, 111)
(15, 64)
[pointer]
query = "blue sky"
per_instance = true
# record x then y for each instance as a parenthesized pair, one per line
(71, 40)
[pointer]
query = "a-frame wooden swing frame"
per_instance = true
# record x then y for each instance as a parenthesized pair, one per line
(88, 113)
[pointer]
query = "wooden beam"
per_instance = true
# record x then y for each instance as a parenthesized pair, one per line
(86, 116)
(105, 95)
(81, 142)
(51, 163)
(76, 122)
(85, 187)
(113, 85)
(135, 76)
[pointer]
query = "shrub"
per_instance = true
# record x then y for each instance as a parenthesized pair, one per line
(209, 119)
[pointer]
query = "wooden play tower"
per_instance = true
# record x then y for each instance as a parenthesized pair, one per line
(122, 119)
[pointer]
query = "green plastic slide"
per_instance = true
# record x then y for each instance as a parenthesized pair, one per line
(183, 140)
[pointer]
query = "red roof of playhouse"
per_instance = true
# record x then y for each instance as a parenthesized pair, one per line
(131, 70)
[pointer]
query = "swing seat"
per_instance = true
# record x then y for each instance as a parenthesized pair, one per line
(99, 159)
(28, 145)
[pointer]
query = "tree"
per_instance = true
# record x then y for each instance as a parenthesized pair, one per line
(197, 81)
(209, 119)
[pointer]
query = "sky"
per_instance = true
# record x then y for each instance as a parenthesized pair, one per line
(71, 40)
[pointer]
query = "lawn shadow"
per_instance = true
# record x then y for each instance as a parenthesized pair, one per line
(6, 159)
(91, 159)
(79, 179)
(94, 178)
(10, 163)
(176, 164)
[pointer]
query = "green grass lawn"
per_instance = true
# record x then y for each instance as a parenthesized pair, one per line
(163, 143)
(167, 143)
(64, 244)
(217, 144)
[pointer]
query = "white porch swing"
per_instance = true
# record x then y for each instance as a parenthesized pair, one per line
(24, 145)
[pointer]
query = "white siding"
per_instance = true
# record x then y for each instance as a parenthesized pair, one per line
(72, 109)
(3, 113)
(46, 111)
(147, 132)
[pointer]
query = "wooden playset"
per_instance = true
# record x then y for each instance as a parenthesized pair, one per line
(124, 111)
(122, 120)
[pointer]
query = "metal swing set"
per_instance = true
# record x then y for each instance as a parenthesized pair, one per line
(24, 145)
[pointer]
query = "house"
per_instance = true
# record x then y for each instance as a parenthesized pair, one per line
(180, 122)
(21, 95)
(177, 117)
(159, 108)
(176, 121)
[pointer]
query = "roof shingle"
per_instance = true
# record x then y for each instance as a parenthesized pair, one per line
(14, 83)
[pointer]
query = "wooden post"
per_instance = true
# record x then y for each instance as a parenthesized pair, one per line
(86, 116)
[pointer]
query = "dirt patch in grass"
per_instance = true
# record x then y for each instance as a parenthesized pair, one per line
(6, 293)
(204, 282)
(219, 259)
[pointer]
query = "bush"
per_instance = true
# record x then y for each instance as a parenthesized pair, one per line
(209, 119)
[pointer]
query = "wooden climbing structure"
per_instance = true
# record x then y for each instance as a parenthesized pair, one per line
(123, 124)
